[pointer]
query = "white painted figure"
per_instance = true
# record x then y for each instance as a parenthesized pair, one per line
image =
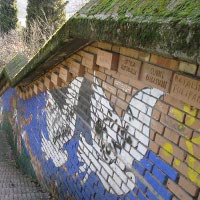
(117, 142)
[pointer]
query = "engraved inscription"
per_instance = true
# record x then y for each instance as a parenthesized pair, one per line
(186, 89)
(157, 77)
(129, 66)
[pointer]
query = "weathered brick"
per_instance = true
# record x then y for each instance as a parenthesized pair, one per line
(173, 136)
(157, 126)
(153, 147)
(101, 75)
(188, 67)
(122, 104)
(144, 56)
(156, 114)
(129, 52)
(124, 78)
(104, 45)
(89, 77)
(122, 86)
(112, 73)
(121, 94)
(152, 134)
(178, 191)
(165, 62)
(110, 80)
(107, 59)
(175, 125)
(170, 147)
(176, 114)
(91, 49)
(188, 186)
(109, 88)
(137, 84)
(162, 107)
(116, 48)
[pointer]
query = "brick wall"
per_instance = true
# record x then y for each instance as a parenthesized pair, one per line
(112, 123)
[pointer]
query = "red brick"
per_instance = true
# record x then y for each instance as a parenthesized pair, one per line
(137, 84)
(162, 107)
(188, 186)
(104, 45)
(124, 78)
(165, 62)
(129, 52)
(171, 135)
(175, 125)
(89, 77)
(170, 147)
(157, 126)
(178, 191)
(156, 114)
(121, 94)
(154, 147)
(122, 104)
(109, 88)
(107, 59)
(101, 75)
(112, 73)
(152, 134)
(110, 80)
(122, 86)
(91, 49)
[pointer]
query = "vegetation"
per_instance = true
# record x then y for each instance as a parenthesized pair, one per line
(46, 11)
(8, 15)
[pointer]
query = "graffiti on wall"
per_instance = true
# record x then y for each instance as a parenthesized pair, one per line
(77, 141)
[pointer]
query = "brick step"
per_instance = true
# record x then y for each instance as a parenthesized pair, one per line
(28, 196)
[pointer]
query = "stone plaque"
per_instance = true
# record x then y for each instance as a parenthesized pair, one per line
(157, 77)
(107, 59)
(129, 66)
(186, 89)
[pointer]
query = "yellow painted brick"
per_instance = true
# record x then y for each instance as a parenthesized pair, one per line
(176, 114)
(188, 67)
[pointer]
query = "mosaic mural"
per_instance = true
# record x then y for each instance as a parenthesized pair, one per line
(81, 147)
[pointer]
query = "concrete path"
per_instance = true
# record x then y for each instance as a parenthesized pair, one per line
(14, 185)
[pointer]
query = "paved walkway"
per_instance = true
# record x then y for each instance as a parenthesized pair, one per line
(14, 185)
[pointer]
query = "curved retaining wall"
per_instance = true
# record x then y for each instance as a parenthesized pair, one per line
(127, 128)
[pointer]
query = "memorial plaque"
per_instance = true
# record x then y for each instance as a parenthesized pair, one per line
(129, 66)
(186, 89)
(157, 77)
(107, 59)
